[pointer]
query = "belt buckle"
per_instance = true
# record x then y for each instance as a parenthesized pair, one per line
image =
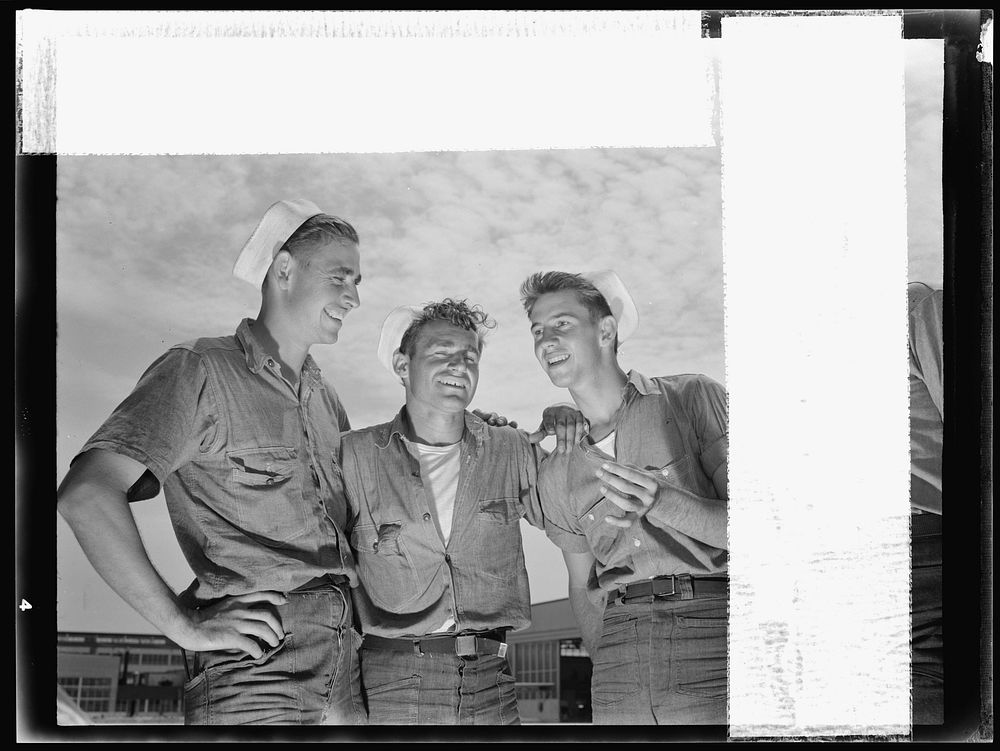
(465, 646)
(673, 587)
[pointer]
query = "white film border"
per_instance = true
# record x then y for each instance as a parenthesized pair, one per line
(814, 245)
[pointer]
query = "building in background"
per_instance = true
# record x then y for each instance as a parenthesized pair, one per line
(140, 677)
(551, 668)
(122, 677)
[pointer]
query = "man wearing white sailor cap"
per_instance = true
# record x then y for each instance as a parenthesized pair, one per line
(436, 497)
(242, 432)
(638, 508)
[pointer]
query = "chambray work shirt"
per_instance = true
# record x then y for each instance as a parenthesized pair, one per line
(677, 423)
(411, 582)
(926, 327)
(248, 466)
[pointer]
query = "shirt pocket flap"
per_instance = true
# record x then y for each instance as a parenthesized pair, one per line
(383, 539)
(500, 510)
(264, 466)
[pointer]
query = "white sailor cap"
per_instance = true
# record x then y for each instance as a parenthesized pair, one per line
(278, 224)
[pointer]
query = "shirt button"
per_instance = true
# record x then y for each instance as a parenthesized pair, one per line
(375, 547)
(590, 516)
(427, 517)
(636, 542)
(270, 481)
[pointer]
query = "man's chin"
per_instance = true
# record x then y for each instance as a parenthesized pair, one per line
(560, 380)
(454, 402)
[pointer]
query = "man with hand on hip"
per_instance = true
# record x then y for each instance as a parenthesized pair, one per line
(243, 434)
(638, 508)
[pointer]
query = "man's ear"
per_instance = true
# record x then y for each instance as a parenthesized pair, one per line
(608, 329)
(281, 268)
(401, 364)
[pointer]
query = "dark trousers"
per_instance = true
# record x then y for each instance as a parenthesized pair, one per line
(437, 689)
(925, 615)
(662, 663)
(312, 677)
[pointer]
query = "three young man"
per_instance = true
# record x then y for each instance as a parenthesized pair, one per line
(243, 434)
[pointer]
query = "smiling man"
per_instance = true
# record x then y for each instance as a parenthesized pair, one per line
(242, 432)
(638, 508)
(436, 498)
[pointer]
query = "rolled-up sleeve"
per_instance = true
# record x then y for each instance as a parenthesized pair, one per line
(560, 522)
(926, 353)
(706, 402)
(167, 420)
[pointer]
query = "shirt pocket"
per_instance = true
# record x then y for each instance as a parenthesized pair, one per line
(500, 511)
(387, 572)
(498, 525)
(266, 484)
(604, 538)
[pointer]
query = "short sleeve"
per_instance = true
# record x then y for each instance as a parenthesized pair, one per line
(560, 523)
(706, 404)
(528, 457)
(349, 468)
(926, 396)
(169, 418)
(926, 344)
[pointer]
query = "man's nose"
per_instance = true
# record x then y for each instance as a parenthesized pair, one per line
(352, 298)
(548, 339)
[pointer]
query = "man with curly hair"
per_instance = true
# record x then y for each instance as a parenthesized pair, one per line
(436, 497)
(638, 508)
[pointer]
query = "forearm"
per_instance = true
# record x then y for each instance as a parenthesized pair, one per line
(702, 519)
(589, 617)
(106, 530)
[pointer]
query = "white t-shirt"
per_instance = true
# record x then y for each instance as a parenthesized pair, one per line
(439, 468)
(607, 444)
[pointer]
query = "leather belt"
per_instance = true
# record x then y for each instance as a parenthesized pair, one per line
(484, 644)
(672, 587)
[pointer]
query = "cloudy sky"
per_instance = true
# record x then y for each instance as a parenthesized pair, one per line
(146, 246)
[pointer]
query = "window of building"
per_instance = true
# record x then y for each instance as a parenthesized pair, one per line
(95, 705)
(536, 668)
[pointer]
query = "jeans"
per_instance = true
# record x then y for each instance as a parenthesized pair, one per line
(312, 677)
(927, 639)
(662, 663)
(437, 689)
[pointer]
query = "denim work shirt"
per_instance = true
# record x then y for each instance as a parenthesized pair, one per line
(411, 582)
(248, 466)
(676, 423)
(926, 315)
